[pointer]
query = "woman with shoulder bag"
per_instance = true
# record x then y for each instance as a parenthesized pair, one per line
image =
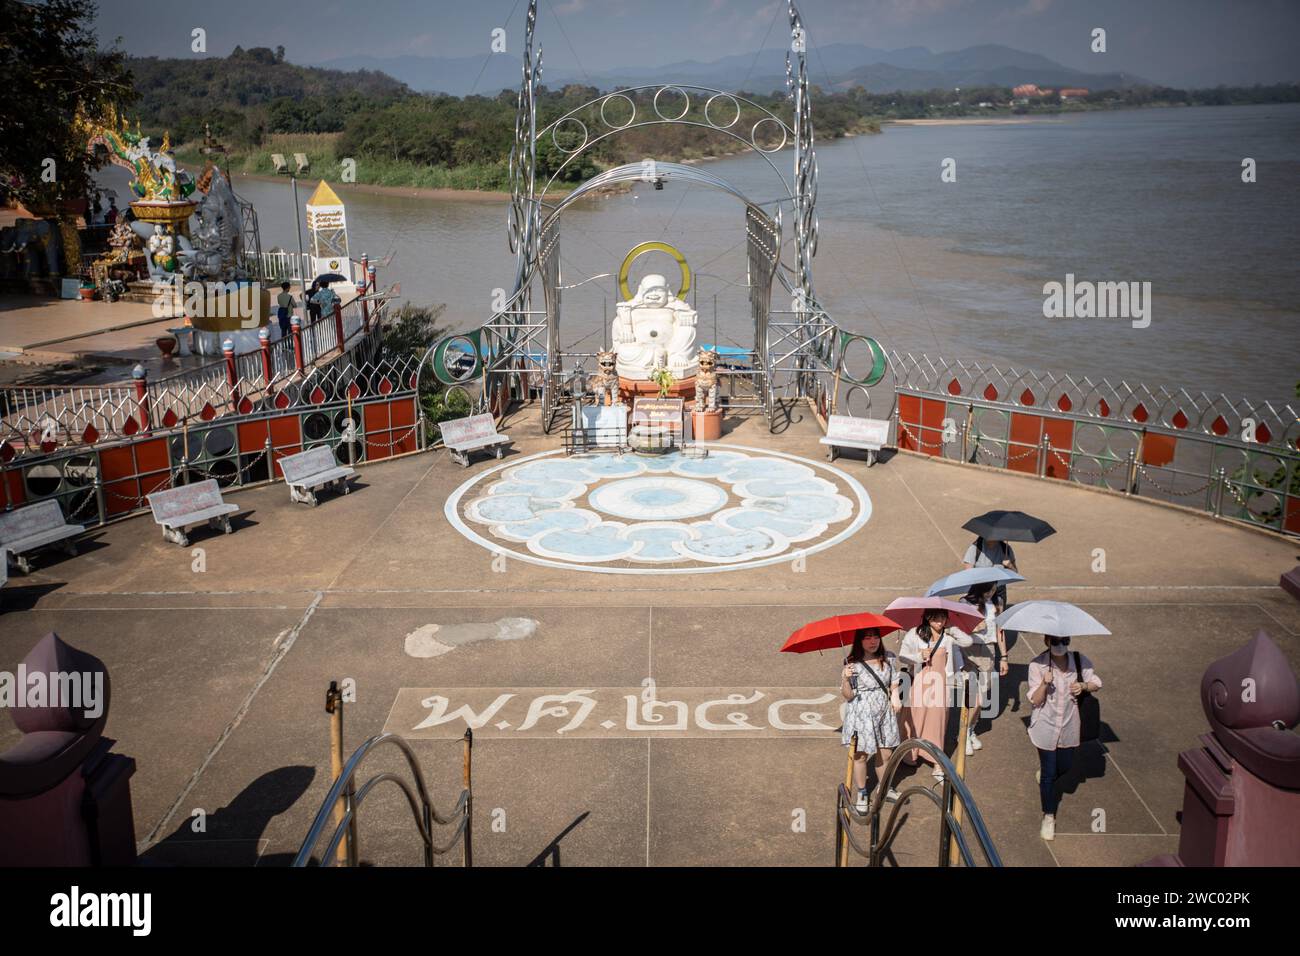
(1058, 680)
(869, 683)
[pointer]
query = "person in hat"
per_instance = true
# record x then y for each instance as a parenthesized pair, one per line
(987, 653)
(1056, 679)
(987, 553)
(932, 652)
(869, 683)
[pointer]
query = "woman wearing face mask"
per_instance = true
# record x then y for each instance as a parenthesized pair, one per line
(1055, 684)
(932, 651)
(988, 652)
(869, 682)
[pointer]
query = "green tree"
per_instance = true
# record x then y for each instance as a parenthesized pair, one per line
(52, 72)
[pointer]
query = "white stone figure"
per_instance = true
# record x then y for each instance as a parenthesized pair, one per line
(654, 329)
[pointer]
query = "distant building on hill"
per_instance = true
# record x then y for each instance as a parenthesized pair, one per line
(1073, 93)
(1026, 90)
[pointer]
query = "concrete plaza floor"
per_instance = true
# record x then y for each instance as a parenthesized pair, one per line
(219, 675)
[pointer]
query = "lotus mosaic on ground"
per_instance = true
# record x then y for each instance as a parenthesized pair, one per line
(753, 507)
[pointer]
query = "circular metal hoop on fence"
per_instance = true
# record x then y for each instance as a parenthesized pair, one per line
(753, 135)
(605, 119)
(686, 103)
(709, 119)
(585, 135)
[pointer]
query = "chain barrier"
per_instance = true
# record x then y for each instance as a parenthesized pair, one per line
(395, 442)
(240, 473)
(1075, 469)
(992, 455)
(1170, 491)
(138, 500)
(1232, 490)
(920, 442)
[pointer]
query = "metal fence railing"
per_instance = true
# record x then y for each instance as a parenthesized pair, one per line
(1234, 459)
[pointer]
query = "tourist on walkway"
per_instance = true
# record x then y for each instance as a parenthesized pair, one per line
(987, 553)
(324, 300)
(284, 308)
(932, 652)
(1056, 679)
(869, 682)
(988, 651)
(313, 306)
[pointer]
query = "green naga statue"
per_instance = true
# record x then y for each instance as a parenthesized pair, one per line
(157, 180)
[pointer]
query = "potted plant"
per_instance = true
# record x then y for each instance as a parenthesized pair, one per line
(87, 290)
(664, 379)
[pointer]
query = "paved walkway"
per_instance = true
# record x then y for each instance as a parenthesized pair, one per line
(65, 341)
(219, 675)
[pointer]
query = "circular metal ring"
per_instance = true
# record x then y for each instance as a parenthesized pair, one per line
(605, 119)
(848, 401)
(709, 102)
(653, 246)
(753, 134)
(685, 108)
(462, 344)
(556, 128)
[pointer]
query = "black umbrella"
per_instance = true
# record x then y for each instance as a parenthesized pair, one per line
(1009, 526)
(329, 277)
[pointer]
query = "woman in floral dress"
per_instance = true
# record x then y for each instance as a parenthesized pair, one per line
(869, 685)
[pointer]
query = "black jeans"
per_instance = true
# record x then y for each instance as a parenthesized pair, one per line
(1052, 766)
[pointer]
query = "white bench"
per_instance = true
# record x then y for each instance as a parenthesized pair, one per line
(312, 469)
(35, 526)
(464, 435)
(178, 508)
(846, 431)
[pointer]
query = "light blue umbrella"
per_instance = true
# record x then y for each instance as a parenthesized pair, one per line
(1050, 617)
(960, 582)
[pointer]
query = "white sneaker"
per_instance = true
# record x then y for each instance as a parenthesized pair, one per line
(864, 803)
(975, 742)
(892, 795)
(1048, 830)
(970, 746)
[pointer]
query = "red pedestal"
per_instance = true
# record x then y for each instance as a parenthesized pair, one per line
(707, 426)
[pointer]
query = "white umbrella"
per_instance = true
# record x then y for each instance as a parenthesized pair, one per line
(1056, 618)
(959, 582)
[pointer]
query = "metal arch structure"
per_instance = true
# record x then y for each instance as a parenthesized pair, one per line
(593, 112)
(798, 352)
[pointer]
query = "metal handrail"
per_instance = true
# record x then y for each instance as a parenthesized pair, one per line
(950, 829)
(422, 809)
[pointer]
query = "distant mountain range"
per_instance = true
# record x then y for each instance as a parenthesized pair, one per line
(839, 66)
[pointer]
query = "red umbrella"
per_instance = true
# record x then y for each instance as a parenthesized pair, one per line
(835, 632)
(908, 612)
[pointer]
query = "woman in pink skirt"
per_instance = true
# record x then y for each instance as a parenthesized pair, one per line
(932, 651)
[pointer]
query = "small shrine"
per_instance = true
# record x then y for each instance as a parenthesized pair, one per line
(195, 236)
(655, 368)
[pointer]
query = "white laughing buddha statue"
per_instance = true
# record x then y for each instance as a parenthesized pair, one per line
(655, 328)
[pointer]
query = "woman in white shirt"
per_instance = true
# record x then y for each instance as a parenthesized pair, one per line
(869, 683)
(932, 652)
(988, 651)
(1056, 679)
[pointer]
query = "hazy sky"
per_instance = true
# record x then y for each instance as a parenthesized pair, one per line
(1180, 42)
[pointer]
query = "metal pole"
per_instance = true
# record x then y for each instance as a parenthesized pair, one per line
(467, 770)
(297, 223)
(1132, 472)
(334, 707)
(1218, 498)
(848, 785)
